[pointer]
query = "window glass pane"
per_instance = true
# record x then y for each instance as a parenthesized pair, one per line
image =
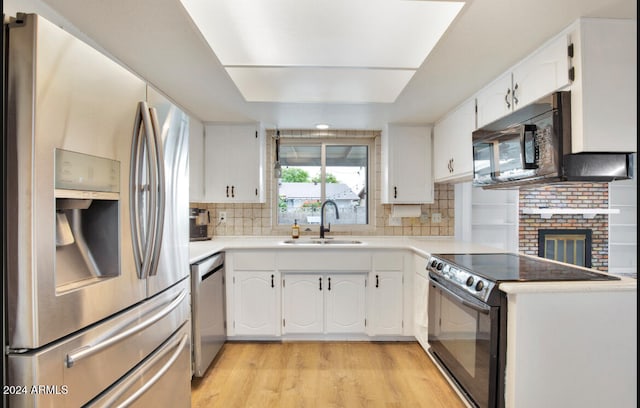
(300, 155)
(346, 183)
(299, 191)
(550, 246)
(570, 251)
(580, 257)
(299, 197)
(561, 254)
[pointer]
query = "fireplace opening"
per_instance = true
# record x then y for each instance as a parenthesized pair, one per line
(571, 246)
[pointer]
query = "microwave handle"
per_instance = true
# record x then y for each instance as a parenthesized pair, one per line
(527, 137)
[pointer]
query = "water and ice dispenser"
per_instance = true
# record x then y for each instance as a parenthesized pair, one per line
(87, 194)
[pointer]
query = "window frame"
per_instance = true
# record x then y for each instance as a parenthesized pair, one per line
(323, 142)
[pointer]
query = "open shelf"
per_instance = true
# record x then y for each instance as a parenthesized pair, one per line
(586, 212)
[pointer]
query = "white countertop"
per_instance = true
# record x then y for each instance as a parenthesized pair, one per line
(420, 245)
(423, 246)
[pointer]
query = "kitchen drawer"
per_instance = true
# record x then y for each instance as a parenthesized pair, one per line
(388, 261)
(323, 260)
(140, 330)
(252, 260)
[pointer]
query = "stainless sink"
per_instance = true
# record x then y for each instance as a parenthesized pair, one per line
(322, 241)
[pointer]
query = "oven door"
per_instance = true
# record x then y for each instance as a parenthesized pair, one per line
(463, 338)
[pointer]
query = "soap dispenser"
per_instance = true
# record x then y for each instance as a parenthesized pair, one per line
(295, 230)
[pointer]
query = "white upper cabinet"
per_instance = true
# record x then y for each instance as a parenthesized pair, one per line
(494, 100)
(543, 72)
(604, 92)
(234, 163)
(540, 74)
(196, 160)
(406, 165)
(453, 151)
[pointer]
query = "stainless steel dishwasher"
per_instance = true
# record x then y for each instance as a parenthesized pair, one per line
(208, 311)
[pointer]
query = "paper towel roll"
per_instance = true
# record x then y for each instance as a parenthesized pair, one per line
(405, 210)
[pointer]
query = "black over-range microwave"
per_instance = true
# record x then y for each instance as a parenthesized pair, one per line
(533, 146)
(527, 145)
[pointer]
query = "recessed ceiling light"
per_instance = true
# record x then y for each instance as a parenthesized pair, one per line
(322, 126)
(282, 50)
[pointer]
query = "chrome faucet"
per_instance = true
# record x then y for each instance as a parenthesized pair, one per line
(322, 228)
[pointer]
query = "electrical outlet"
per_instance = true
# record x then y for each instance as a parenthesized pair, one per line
(436, 218)
(395, 221)
(424, 218)
(222, 217)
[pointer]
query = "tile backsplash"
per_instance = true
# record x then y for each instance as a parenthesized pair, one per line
(258, 219)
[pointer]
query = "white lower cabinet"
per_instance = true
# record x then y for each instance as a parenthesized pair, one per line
(303, 303)
(319, 293)
(330, 303)
(386, 294)
(386, 317)
(253, 293)
(420, 301)
(255, 303)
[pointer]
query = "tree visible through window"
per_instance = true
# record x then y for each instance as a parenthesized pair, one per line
(315, 172)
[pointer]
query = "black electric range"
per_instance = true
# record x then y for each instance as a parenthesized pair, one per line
(467, 315)
(480, 274)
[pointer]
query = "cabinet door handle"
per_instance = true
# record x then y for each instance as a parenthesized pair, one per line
(233, 193)
(395, 192)
(227, 191)
(506, 99)
(452, 164)
(515, 99)
(272, 284)
(329, 284)
(320, 281)
(377, 282)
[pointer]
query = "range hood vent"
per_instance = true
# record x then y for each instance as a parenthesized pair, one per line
(597, 167)
(580, 167)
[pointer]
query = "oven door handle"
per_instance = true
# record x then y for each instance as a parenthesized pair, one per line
(479, 307)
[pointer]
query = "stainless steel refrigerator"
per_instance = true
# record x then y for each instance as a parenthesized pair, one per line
(97, 281)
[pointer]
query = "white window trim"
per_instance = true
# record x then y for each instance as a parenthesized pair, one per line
(372, 189)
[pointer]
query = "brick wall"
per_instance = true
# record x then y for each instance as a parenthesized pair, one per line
(574, 195)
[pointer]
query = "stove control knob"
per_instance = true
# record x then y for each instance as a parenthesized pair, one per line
(479, 286)
(434, 263)
(470, 281)
(440, 266)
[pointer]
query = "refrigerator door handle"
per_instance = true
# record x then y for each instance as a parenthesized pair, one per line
(181, 343)
(133, 193)
(152, 217)
(143, 238)
(89, 350)
(160, 191)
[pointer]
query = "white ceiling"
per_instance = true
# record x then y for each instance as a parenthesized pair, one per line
(158, 40)
(329, 51)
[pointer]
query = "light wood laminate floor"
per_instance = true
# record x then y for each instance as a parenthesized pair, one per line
(323, 374)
